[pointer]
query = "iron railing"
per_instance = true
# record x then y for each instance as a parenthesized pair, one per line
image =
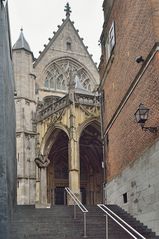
(130, 230)
(81, 207)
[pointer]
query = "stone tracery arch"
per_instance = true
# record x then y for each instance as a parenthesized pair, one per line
(57, 75)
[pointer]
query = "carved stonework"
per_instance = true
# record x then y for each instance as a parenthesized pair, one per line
(42, 161)
(57, 75)
(17, 101)
(27, 102)
(53, 110)
(90, 111)
(18, 134)
(40, 105)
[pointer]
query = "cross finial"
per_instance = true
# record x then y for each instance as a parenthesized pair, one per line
(67, 9)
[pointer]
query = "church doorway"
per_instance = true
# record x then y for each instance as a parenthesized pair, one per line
(60, 196)
(57, 171)
(91, 173)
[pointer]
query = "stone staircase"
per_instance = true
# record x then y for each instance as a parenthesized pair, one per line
(58, 223)
(137, 225)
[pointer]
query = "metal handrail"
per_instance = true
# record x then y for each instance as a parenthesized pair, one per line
(104, 208)
(81, 207)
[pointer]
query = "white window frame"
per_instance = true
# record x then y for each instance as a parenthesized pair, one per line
(110, 41)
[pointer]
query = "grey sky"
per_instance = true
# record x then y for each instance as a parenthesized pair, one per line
(40, 18)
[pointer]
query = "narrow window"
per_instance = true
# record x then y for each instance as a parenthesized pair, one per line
(17, 183)
(68, 46)
(112, 36)
(125, 198)
(110, 41)
(46, 84)
(18, 157)
(52, 83)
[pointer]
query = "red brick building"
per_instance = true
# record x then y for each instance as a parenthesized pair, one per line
(129, 71)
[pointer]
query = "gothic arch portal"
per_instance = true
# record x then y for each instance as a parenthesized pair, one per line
(57, 171)
(90, 159)
(91, 172)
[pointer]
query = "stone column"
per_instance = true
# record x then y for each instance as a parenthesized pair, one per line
(43, 187)
(74, 164)
(74, 168)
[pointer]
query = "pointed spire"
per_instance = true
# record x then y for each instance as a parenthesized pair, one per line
(21, 43)
(67, 9)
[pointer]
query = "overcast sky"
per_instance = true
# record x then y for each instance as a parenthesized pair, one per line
(40, 18)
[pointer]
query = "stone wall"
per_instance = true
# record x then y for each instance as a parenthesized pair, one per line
(7, 128)
(140, 182)
(23, 73)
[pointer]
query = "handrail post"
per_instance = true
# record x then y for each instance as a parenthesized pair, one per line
(106, 226)
(81, 207)
(74, 210)
(85, 224)
(129, 229)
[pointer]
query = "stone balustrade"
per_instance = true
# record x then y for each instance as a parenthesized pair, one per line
(46, 110)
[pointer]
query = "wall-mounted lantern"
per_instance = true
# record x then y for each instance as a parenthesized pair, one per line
(141, 116)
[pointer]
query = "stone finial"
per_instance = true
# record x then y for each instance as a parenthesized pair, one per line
(67, 9)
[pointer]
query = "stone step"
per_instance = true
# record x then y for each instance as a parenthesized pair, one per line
(58, 223)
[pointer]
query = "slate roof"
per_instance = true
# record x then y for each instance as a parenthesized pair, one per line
(21, 43)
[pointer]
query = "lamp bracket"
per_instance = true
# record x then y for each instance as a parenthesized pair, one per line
(151, 129)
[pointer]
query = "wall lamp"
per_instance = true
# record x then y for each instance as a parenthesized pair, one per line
(141, 116)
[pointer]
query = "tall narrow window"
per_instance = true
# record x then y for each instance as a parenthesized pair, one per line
(110, 41)
(112, 36)
(68, 46)
(52, 83)
(46, 83)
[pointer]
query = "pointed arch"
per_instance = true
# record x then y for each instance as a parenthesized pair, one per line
(94, 120)
(45, 145)
(91, 157)
(58, 71)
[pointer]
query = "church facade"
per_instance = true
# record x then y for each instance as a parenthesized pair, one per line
(57, 120)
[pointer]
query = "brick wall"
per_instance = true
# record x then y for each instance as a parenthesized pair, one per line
(126, 140)
(136, 35)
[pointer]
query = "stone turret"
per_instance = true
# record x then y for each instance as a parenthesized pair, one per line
(23, 68)
(25, 126)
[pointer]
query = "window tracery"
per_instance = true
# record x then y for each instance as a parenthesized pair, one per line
(57, 75)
